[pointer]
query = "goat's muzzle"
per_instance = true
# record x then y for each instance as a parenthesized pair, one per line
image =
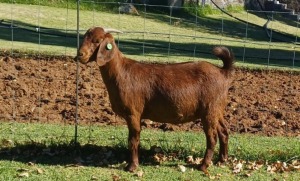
(81, 57)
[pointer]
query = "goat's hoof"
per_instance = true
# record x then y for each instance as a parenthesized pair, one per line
(220, 163)
(222, 159)
(131, 167)
(203, 168)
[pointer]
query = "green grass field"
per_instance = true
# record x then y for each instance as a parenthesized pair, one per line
(34, 151)
(152, 36)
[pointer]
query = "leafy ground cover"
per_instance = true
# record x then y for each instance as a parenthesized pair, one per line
(102, 153)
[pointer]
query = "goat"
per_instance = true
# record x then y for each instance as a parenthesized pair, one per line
(166, 93)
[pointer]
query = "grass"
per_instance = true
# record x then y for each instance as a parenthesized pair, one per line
(105, 5)
(152, 36)
(205, 10)
(43, 152)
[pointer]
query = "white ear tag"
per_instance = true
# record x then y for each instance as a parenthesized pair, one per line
(109, 46)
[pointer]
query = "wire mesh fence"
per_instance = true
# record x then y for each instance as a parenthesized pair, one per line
(50, 87)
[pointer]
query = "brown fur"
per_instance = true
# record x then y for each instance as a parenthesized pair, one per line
(173, 93)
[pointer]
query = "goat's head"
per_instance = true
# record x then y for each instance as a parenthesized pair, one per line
(98, 45)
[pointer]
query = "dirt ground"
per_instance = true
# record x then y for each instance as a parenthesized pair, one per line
(36, 89)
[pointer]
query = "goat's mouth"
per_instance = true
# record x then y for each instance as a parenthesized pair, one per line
(82, 59)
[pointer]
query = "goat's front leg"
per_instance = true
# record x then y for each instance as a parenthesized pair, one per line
(134, 127)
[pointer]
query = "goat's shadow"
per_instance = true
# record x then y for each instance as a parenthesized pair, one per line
(77, 155)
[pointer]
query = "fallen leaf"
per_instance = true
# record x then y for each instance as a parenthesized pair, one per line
(190, 159)
(212, 177)
(254, 165)
(259, 164)
(164, 158)
(31, 163)
(221, 164)
(22, 170)
(74, 165)
(248, 174)
(275, 167)
(94, 178)
(198, 161)
(156, 158)
(269, 169)
(115, 177)
(139, 173)
(237, 168)
(296, 162)
(122, 165)
(23, 174)
(39, 171)
(7, 142)
(182, 168)
(297, 168)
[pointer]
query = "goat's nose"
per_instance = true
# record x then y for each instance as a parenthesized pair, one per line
(80, 54)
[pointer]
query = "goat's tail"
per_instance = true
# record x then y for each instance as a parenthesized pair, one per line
(226, 56)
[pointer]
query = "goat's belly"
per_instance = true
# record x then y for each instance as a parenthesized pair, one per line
(173, 118)
(171, 112)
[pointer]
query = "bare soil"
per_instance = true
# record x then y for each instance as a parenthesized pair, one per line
(43, 89)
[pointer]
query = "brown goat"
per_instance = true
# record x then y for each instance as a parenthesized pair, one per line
(166, 93)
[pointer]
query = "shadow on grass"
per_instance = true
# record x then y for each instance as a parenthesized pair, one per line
(81, 155)
(25, 32)
(163, 47)
(247, 54)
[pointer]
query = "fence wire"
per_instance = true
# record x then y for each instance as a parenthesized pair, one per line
(179, 37)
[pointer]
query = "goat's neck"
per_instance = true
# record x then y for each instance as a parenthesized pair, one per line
(111, 73)
(111, 70)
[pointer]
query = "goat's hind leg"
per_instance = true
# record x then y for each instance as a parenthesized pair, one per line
(134, 128)
(210, 129)
(223, 139)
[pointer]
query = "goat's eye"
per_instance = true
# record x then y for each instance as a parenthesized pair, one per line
(97, 41)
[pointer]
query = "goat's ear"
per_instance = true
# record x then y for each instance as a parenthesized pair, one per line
(106, 51)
